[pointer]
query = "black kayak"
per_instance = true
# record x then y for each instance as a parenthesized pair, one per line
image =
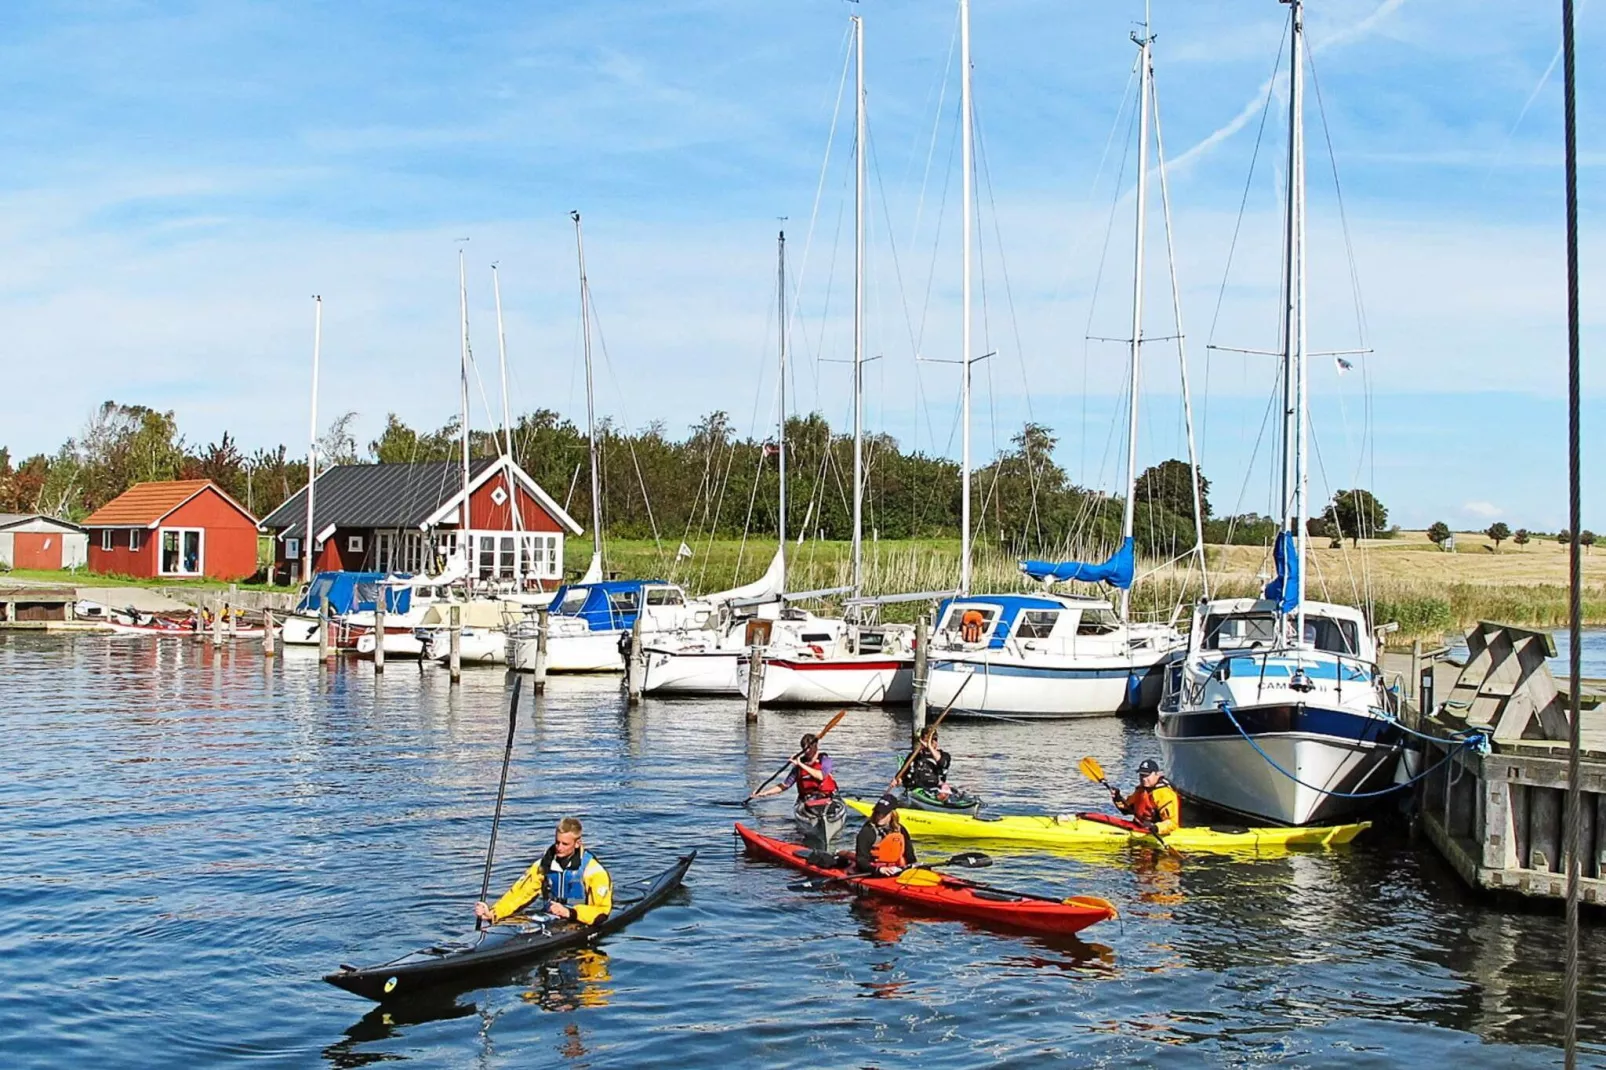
(498, 948)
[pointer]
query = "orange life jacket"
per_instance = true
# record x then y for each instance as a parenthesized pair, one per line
(970, 626)
(888, 850)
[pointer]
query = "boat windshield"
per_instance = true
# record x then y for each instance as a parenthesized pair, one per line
(1097, 620)
(1255, 631)
(952, 623)
(573, 599)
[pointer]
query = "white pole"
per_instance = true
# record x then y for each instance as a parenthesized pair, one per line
(462, 306)
(514, 511)
(1296, 103)
(858, 313)
(781, 423)
(591, 401)
(1182, 351)
(1135, 375)
(964, 358)
(1290, 287)
(312, 437)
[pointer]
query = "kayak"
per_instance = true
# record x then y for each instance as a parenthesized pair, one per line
(820, 825)
(497, 948)
(1096, 829)
(941, 893)
(955, 802)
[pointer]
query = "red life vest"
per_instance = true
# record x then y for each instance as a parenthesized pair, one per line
(811, 787)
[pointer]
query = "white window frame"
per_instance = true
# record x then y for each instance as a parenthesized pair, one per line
(107, 535)
(292, 549)
(354, 544)
(133, 538)
(200, 552)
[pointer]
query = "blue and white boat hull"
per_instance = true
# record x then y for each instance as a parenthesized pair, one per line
(991, 683)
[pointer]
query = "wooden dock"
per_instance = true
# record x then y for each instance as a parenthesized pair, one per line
(1497, 817)
(37, 608)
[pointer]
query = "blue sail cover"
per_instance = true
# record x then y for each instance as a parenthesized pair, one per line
(1284, 590)
(1117, 571)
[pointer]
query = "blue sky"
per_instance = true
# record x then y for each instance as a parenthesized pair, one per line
(181, 177)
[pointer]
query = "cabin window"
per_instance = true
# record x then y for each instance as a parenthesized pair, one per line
(816, 638)
(622, 602)
(1242, 631)
(665, 596)
(1333, 636)
(573, 599)
(1036, 624)
(133, 538)
(292, 549)
(354, 544)
(1097, 621)
(106, 539)
(181, 551)
(952, 622)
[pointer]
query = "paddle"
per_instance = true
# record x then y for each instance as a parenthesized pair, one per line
(1095, 772)
(501, 793)
(921, 873)
(916, 750)
(832, 723)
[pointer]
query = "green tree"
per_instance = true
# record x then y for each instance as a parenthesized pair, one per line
(1439, 532)
(1169, 486)
(1499, 533)
(1355, 515)
(1564, 536)
(1586, 539)
(1521, 537)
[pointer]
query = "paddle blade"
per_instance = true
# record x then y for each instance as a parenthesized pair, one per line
(970, 860)
(832, 723)
(919, 877)
(1091, 769)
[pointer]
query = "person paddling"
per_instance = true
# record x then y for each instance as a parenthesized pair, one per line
(810, 773)
(927, 767)
(882, 845)
(568, 882)
(1153, 803)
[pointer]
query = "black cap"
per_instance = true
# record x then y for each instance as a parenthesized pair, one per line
(1147, 766)
(884, 806)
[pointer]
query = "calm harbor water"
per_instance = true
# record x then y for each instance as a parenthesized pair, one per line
(189, 839)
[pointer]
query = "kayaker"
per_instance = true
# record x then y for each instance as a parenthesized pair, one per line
(810, 773)
(928, 766)
(883, 846)
(568, 881)
(1153, 803)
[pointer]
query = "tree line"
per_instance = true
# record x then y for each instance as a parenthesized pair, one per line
(709, 482)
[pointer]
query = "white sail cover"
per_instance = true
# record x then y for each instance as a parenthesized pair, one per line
(766, 588)
(593, 570)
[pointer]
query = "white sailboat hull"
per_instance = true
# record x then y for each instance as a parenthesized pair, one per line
(692, 672)
(851, 680)
(991, 683)
(591, 652)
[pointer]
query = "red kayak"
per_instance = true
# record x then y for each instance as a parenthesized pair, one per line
(944, 894)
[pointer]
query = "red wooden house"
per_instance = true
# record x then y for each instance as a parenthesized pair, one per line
(409, 518)
(185, 529)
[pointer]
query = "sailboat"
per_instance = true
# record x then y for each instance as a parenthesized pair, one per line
(703, 661)
(588, 621)
(816, 661)
(1048, 655)
(1279, 710)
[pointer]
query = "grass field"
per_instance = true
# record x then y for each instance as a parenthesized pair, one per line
(1428, 591)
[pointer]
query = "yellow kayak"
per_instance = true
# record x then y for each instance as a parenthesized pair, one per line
(1073, 830)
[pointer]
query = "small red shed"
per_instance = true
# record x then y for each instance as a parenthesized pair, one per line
(183, 529)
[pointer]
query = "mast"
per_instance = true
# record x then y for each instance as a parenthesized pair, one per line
(1296, 474)
(312, 437)
(858, 310)
(964, 356)
(591, 397)
(462, 305)
(507, 429)
(780, 526)
(1134, 378)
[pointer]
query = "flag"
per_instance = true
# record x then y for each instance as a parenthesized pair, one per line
(771, 449)
(1343, 365)
(684, 551)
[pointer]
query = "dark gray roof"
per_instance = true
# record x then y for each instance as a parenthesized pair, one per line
(375, 496)
(9, 519)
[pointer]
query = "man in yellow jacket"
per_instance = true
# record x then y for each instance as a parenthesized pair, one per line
(1153, 803)
(568, 882)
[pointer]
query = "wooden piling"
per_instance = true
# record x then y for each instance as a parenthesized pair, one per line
(922, 675)
(755, 680)
(455, 664)
(218, 606)
(326, 647)
(267, 633)
(635, 665)
(543, 617)
(379, 632)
